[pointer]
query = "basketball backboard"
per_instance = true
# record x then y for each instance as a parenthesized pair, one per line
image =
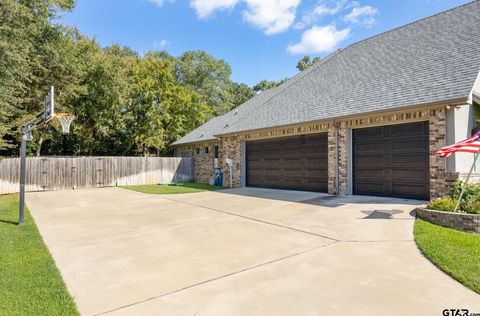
(49, 112)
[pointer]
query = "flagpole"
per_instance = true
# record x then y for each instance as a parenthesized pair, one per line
(466, 181)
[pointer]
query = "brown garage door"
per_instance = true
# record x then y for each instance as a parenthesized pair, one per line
(392, 161)
(294, 163)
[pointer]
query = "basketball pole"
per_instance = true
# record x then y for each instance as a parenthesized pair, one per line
(27, 130)
(23, 161)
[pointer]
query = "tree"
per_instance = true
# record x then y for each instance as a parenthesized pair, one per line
(161, 54)
(34, 54)
(101, 125)
(208, 76)
(121, 51)
(239, 93)
(306, 62)
(124, 103)
(267, 84)
(162, 110)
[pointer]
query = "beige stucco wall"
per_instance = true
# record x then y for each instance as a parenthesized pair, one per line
(232, 147)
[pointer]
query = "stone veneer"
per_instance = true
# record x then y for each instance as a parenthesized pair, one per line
(441, 180)
(459, 221)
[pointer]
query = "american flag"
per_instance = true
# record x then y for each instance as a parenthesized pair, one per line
(469, 145)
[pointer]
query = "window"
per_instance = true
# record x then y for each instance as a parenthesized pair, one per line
(215, 150)
(198, 150)
(206, 151)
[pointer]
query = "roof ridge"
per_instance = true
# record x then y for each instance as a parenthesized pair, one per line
(410, 23)
(316, 66)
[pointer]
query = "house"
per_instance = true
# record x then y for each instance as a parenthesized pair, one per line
(365, 120)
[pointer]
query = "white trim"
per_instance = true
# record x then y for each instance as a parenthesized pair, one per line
(474, 94)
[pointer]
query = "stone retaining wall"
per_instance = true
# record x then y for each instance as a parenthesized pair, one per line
(459, 221)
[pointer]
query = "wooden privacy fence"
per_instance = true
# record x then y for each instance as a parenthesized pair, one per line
(66, 173)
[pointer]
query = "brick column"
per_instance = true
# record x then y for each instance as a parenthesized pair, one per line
(332, 164)
(441, 180)
(232, 148)
(343, 159)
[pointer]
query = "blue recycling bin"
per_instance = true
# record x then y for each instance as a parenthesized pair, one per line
(219, 178)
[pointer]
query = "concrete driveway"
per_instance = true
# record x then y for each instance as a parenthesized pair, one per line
(241, 252)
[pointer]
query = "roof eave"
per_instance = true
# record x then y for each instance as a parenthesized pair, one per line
(454, 101)
(195, 141)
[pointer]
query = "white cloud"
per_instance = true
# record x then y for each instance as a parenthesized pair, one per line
(271, 16)
(161, 43)
(362, 15)
(160, 3)
(205, 8)
(319, 39)
(323, 8)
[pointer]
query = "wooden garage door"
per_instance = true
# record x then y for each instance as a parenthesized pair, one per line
(294, 163)
(392, 161)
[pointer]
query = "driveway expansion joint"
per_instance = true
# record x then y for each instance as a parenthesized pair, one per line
(219, 277)
(254, 219)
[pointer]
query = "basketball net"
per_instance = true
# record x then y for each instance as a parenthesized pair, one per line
(65, 120)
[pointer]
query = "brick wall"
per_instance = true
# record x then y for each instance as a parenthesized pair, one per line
(459, 221)
(441, 180)
(232, 149)
(203, 163)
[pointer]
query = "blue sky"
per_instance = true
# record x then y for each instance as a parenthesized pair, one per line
(260, 39)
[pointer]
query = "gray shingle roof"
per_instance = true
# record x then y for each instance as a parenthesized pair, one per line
(432, 60)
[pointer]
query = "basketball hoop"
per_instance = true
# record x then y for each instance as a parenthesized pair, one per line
(65, 120)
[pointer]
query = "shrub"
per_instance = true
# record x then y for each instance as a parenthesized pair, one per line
(471, 190)
(472, 205)
(444, 204)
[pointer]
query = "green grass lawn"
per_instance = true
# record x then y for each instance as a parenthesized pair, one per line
(30, 283)
(455, 252)
(172, 189)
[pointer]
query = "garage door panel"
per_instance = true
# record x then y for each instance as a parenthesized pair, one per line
(314, 185)
(371, 188)
(366, 133)
(316, 174)
(369, 147)
(316, 162)
(405, 130)
(409, 190)
(292, 184)
(409, 160)
(372, 175)
(392, 161)
(370, 160)
(409, 145)
(298, 163)
(409, 175)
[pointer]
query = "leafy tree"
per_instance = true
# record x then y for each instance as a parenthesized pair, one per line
(28, 60)
(162, 110)
(161, 54)
(100, 126)
(306, 62)
(208, 76)
(239, 93)
(124, 103)
(267, 84)
(121, 51)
